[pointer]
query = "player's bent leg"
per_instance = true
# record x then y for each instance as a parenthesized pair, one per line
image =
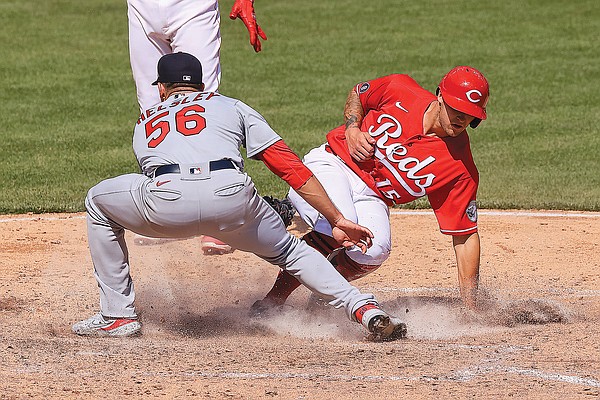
(315, 272)
(264, 233)
(285, 283)
(106, 238)
(312, 269)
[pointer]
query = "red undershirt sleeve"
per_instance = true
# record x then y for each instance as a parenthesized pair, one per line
(284, 163)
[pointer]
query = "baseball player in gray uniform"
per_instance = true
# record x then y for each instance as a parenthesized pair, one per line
(193, 182)
(159, 27)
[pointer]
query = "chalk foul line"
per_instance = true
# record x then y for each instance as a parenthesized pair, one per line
(460, 376)
(508, 213)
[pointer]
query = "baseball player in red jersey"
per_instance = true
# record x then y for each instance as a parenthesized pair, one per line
(399, 143)
(192, 181)
(159, 27)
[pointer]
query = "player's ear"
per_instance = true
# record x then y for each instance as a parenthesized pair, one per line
(439, 97)
(162, 91)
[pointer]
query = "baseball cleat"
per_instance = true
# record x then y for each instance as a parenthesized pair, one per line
(381, 326)
(384, 328)
(150, 241)
(98, 325)
(212, 246)
(262, 308)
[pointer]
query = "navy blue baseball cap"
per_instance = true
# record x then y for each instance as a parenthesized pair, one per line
(179, 68)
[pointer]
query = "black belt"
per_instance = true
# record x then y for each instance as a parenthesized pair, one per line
(213, 166)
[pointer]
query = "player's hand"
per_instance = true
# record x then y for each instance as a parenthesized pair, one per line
(244, 10)
(360, 144)
(348, 234)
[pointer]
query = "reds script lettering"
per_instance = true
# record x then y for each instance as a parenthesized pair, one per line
(392, 155)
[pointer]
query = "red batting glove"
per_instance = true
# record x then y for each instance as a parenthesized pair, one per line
(244, 9)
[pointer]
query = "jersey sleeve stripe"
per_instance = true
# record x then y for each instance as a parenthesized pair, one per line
(450, 231)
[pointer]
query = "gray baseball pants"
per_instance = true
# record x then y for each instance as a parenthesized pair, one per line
(223, 204)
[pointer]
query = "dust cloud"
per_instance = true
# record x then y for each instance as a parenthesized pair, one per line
(174, 309)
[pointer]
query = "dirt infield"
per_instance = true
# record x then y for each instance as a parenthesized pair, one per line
(539, 339)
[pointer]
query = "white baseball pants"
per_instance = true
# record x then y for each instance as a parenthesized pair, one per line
(353, 198)
(159, 27)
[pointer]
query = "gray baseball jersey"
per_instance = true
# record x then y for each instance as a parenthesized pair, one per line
(189, 149)
(199, 126)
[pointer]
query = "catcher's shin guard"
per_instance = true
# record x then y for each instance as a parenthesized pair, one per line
(285, 284)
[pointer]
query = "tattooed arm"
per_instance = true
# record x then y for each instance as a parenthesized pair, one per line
(360, 143)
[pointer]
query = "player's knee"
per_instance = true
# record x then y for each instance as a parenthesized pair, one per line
(291, 251)
(92, 209)
(375, 255)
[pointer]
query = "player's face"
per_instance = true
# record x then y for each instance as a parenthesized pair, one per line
(453, 122)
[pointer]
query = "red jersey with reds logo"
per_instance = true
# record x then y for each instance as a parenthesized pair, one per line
(409, 164)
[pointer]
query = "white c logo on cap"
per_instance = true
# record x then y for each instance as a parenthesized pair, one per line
(472, 99)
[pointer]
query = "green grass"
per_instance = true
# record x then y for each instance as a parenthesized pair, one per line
(68, 102)
(68, 99)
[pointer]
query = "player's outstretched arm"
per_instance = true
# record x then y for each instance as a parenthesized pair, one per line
(467, 250)
(360, 144)
(283, 162)
(244, 10)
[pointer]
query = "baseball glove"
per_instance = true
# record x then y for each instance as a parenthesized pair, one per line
(283, 207)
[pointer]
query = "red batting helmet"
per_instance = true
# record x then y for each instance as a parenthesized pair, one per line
(465, 89)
